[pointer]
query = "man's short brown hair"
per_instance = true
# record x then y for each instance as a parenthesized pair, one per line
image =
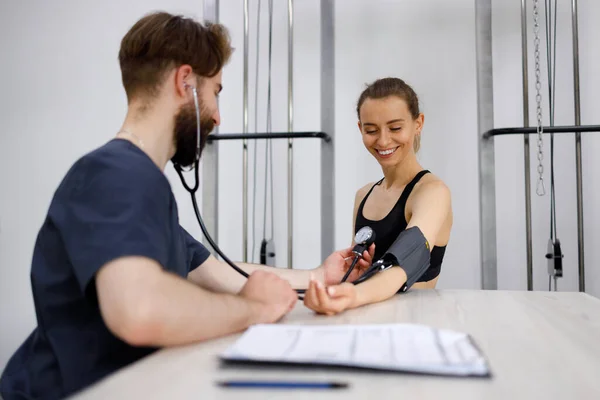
(160, 41)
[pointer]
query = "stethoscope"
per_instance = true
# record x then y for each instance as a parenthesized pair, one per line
(363, 238)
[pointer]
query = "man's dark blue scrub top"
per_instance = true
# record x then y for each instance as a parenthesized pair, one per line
(113, 202)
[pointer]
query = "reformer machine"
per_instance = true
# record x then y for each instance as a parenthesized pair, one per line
(553, 254)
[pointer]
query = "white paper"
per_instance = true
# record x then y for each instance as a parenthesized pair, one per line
(394, 347)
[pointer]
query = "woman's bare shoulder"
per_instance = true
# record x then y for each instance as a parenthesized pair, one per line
(363, 190)
(431, 182)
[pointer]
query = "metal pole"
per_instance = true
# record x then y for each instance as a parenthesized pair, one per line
(290, 129)
(526, 151)
(245, 142)
(210, 160)
(578, 168)
(547, 130)
(485, 122)
(328, 126)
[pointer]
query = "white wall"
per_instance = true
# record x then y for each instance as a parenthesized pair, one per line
(61, 96)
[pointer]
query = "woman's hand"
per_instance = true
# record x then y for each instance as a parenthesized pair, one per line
(331, 300)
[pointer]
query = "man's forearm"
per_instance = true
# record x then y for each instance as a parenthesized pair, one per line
(380, 287)
(298, 278)
(179, 312)
(217, 276)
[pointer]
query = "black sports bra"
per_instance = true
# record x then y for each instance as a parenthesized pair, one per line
(388, 228)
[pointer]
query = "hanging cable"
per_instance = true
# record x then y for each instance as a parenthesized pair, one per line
(256, 86)
(551, 60)
(268, 126)
(270, 120)
(554, 254)
(267, 245)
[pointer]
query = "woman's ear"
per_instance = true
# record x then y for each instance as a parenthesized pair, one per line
(420, 121)
(359, 126)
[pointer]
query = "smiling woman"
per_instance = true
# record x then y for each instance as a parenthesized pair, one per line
(408, 196)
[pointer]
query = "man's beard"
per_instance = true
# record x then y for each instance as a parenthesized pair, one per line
(186, 133)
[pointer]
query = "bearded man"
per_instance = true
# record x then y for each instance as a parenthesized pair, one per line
(114, 276)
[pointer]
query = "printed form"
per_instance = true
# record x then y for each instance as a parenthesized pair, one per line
(391, 347)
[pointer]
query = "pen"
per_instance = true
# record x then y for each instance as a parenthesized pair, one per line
(283, 384)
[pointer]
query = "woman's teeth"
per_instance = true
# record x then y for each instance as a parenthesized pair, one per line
(386, 152)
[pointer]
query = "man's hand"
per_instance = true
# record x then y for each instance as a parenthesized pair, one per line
(331, 300)
(336, 265)
(275, 295)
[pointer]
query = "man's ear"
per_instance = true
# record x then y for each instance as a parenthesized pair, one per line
(184, 76)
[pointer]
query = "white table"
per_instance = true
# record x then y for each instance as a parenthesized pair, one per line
(540, 345)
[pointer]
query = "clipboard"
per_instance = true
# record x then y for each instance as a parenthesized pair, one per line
(406, 348)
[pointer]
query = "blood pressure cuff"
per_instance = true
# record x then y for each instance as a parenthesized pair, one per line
(410, 251)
